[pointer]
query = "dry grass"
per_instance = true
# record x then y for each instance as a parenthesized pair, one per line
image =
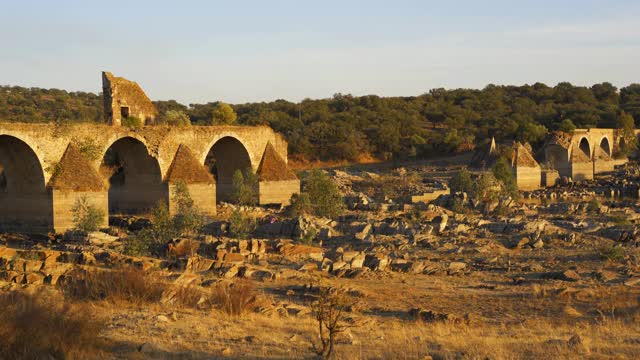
(234, 299)
(39, 326)
(127, 284)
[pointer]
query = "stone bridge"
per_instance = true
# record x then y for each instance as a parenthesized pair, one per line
(585, 153)
(45, 169)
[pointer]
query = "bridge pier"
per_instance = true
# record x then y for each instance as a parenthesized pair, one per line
(188, 174)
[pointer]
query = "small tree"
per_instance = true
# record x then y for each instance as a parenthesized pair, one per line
(164, 227)
(487, 188)
(329, 311)
(177, 118)
(503, 172)
(244, 187)
(300, 205)
(461, 181)
(86, 216)
(325, 196)
(627, 126)
(223, 114)
(188, 218)
(567, 126)
(241, 225)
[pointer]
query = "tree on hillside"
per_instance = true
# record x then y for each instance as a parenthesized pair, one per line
(627, 125)
(223, 114)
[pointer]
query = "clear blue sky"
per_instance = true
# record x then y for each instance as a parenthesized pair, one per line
(261, 50)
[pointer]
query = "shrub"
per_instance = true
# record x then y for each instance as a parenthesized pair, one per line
(89, 148)
(300, 205)
(241, 225)
(188, 218)
(132, 122)
(325, 196)
(86, 216)
(487, 188)
(164, 227)
(244, 187)
(594, 205)
(234, 299)
(461, 181)
(503, 172)
(176, 118)
(126, 284)
(37, 326)
(612, 253)
(309, 236)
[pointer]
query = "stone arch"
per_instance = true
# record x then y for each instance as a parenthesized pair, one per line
(25, 203)
(134, 177)
(225, 156)
(33, 145)
(585, 147)
(605, 146)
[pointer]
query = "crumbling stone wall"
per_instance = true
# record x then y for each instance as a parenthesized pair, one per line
(124, 98)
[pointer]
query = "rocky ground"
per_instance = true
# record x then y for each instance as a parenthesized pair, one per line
(554, 275)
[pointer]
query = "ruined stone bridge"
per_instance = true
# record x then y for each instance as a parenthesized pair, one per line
(46, 168)
(585, 152)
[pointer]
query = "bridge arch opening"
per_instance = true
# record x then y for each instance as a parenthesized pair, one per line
(224, 158)
(585, 147)
(605, 147)
(135, 179)
(25, 203)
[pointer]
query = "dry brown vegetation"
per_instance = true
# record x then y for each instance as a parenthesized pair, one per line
(44, 326)
(234, 299)
(126, 284)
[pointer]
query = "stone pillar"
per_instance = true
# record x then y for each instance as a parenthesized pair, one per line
(185, 171)
(75, 181)
(276, 181)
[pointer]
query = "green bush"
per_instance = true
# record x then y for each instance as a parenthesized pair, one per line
(188, 218)
(132, 122)
(244, 187)
(461, 181)
(503, 172)
(487, 188)
(594, 205)
(187, 221)
(86, 216)
(241, 225)
(612, 253)
(300, 205)
(176, 118)
(324, 194)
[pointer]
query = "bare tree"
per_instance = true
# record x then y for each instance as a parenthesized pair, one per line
(329, 310)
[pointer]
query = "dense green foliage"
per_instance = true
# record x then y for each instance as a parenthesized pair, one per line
(346, 127)
(48, 105)
(324, 195)
(503, 172)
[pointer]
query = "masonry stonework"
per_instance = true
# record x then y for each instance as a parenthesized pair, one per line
(134, 166)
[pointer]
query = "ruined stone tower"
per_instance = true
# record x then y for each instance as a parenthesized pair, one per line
(124, 98)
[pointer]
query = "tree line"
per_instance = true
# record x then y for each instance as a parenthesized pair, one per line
(346, 127)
